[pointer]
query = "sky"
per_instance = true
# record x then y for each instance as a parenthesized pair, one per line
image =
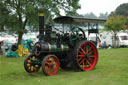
(99, 6)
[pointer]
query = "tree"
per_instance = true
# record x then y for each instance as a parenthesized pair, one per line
(112, 14)
(115, 24)
(122, 9)
(3, 16)
(103, 16)
(23, 13)
(90, 15)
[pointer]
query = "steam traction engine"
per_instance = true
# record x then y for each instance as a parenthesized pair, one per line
(65, 47)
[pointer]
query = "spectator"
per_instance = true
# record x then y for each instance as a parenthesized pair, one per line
(14, 47)
(104, 44)
(0, 46)
(1, 43)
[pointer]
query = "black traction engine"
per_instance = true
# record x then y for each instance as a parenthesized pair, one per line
(65, 46)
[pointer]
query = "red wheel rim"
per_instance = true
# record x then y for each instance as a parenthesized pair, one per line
(51, 65)
(29, 66)
(87, 56)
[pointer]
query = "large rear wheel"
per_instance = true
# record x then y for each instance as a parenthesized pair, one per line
(85, 55)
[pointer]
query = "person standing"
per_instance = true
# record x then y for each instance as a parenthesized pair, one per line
(1, 53)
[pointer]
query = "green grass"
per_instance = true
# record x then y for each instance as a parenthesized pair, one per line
(112, 69)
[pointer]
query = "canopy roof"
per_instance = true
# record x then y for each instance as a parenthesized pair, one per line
(76, 20)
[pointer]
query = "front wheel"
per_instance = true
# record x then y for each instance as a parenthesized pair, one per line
(50, 65)
(85, 55)
(29, 66)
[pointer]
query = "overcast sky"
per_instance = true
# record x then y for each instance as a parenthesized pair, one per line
(99, 6)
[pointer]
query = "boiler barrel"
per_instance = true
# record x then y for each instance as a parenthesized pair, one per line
(47, 47)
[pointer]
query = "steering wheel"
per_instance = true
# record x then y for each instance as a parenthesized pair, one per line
(77, 34)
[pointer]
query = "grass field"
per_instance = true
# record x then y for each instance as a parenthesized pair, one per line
(112, 69)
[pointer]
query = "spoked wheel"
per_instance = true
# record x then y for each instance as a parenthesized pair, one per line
(50, 65)
(86, 55)
(29, 66)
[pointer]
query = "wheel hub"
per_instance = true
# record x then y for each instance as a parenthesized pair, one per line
(86, 56)
(52, 65)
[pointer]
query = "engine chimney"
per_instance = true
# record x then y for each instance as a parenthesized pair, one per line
(41, 25)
